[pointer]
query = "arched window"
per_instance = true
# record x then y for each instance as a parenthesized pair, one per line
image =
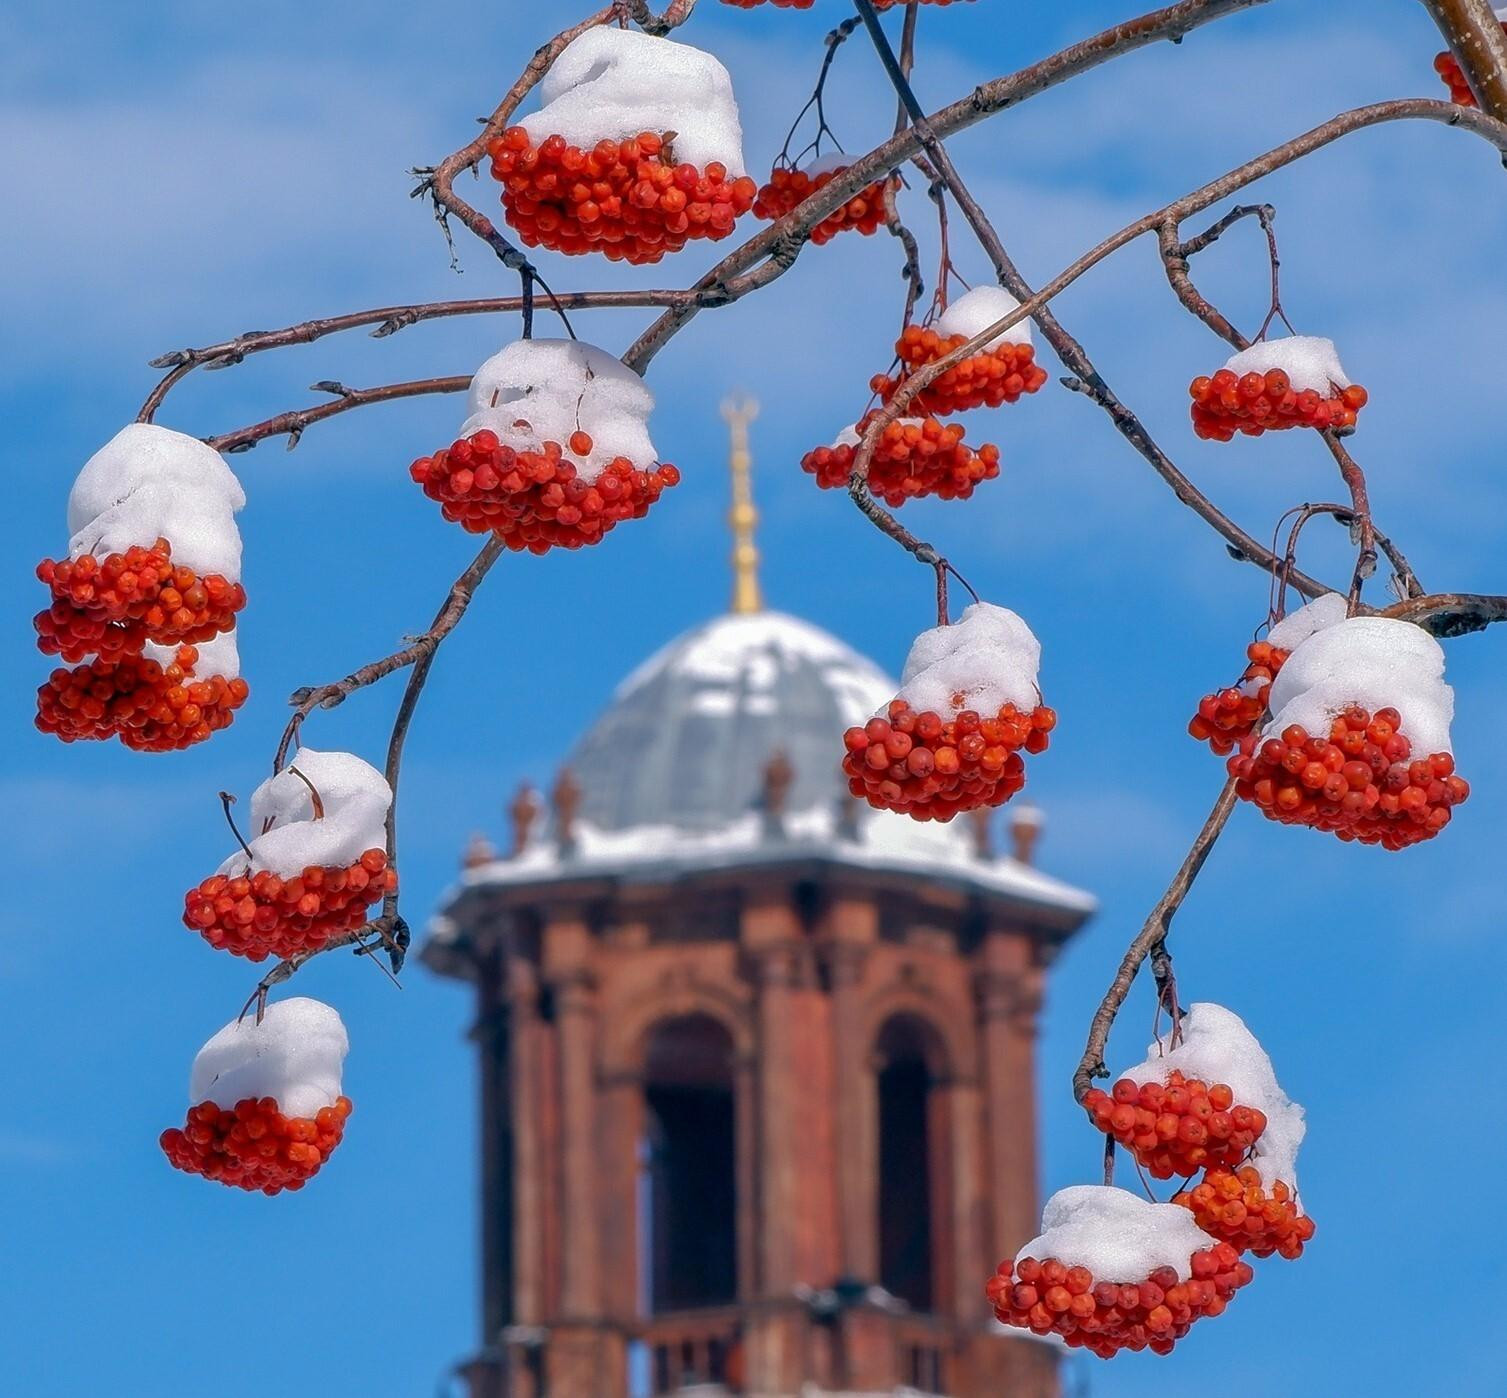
(687, 1204)
(908, 1161)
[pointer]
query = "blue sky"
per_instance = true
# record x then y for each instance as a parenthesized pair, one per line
(195, 170)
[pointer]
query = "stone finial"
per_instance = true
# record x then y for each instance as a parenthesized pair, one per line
(523, 811)
(479, 850)
(566, 800)
(779, 776)
(848, 827)
(1026, 823)
(982, 821)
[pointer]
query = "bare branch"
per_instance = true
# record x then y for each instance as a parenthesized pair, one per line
(1447, 614)
(292, 424)
(1474, 35)
(1151, 936)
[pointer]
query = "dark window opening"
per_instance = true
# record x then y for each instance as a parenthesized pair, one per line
(905, 1165)
(688, 1203)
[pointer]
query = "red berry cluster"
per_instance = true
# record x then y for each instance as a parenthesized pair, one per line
(1234, 1206)
(1449, 70)
(983, 380)
(150, 707)
(255, 1147)
(778, 4)
(1227, 403)
(1227, 715)
(626, 199)
(536, 500)
(111, 606)
(1048, 1297)
(911, 459)
(1177, 1127)
(261, 915)
(931, 768)
(1361, 783)
(787, 188)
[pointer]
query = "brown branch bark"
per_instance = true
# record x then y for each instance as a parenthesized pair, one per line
(1474, 35)
(292, 424)
(439, 183)
(1152, 934)
(675, 15)
(1175, 263)
(1446, 614)
(1086, 378)
(331, 696)
(388, 320)
(783, 240)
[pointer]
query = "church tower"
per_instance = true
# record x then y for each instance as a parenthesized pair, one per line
(757, 1062)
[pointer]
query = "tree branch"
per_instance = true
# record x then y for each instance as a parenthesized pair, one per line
(782, 241)
(292, 424)
(1474, 35)
(388, 320)
(676, 14)
(1150, 937)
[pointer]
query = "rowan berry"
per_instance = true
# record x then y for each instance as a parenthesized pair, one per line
(1449, 70)
(1227, 715)
(257, 914)
(111, 606)
(787, 188)
(1178, 1126)
(537, 499)
(1048, 1297)
(628, 200)
(986, 379)
(1224, 404)
(1361, 783)
(1236, 1207)
(951, 764)
(254, 1146)
(912, 458)
(148, 705)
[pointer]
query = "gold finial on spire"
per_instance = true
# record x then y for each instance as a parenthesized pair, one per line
(747, 597)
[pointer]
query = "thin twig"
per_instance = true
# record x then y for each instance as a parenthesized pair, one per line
(1152, 933)
(292, 424)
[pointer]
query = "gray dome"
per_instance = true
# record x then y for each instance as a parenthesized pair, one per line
(685, 741)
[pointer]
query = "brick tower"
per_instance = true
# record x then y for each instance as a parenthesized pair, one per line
(757, 1065)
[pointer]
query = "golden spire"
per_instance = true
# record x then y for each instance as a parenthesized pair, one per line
(743, 516)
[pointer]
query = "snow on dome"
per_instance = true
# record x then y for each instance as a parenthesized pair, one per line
(217, 656)
(1296, 627)
(1117, 1235)
(148, 482)
(1309, 361)
(611, 83)
(287, 836)
(988, 658)
(1372, 661)
(975, 312)
(533, 391)
(1216, 1047)
(294, 1055)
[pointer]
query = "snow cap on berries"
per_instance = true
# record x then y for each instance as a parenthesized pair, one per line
(988, 658)
(1309, 361)
(148, 483)
(1372, 661)
(1296, 627)
(290, 838)
(537, 391)
(975, 312)
(294, 1056)
(850, 436)
(828, 164)
(1216, 1047)
(1117, 1235)
(612, 84)
(217, 656)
